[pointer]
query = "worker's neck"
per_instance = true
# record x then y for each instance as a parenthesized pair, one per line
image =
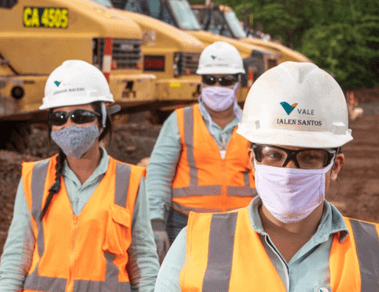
(86, 165)
(222, 118)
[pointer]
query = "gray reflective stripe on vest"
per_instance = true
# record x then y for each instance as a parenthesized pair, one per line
(41, 283)
(220, 252)
(367, 244)
(122, 184)
(185, 210)
(188, 140)
(241, 191)
(197, 191)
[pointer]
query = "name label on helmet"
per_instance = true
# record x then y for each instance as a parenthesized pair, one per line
(45, 17)
(68, 90)
(302, 124)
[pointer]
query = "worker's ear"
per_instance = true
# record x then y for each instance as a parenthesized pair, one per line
(338, 162)
(250, 154)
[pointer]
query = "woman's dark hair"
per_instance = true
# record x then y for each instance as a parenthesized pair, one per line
(61, 157)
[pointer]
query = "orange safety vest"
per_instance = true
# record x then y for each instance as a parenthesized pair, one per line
(225, 254)
(87, 252)
(204, 182)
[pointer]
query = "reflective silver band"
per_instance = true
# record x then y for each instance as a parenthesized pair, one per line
(215, 190)
(186, 210)
(220, 252)
(122, 184)
(241, 192)
(367, 244)
(188, 141)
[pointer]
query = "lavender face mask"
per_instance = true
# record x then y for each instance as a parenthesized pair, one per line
(218, 98)
(290, 194)
(75, 141)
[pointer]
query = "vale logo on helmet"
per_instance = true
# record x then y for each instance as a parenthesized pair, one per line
(57, 83)
(309, 121)
(290, 107)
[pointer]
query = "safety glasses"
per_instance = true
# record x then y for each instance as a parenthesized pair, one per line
(305, 158)
(78, 116)
(223, 81)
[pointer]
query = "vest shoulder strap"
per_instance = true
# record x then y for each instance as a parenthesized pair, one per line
(185, 119)
(128, 178)
(34, 175)
(354, 263)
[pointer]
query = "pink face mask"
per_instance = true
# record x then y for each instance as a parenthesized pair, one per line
(290, 194)
(218, 98)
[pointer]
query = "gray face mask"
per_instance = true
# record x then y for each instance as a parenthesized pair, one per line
(75, 141)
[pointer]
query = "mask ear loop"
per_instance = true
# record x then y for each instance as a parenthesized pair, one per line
(199, 100)
(103, 115)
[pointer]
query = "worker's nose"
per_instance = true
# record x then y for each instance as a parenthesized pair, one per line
(291, 164)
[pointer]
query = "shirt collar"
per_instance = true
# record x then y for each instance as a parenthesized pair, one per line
(100, 170)
(233, 123)
(332, 221)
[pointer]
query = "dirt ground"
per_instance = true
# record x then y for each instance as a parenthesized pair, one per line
(356, 194)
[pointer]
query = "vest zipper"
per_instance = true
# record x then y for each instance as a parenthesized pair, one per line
(223, 147)
(70, 281)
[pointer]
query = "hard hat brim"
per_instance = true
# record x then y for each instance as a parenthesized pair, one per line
(308, 139)
(74, 100)
(221, 70)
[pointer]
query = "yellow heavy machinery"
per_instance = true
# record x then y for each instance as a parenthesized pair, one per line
(37, 36)
(222, 20)
(179, 14)
(171, 54)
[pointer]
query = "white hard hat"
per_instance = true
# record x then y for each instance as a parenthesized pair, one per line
(220, 58)
(75, 82)
(296, 104)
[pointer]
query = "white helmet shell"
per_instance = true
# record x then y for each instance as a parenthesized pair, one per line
(296, 104)
(220, 58)
(75, 82)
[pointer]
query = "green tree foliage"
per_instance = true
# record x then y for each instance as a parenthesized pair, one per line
(350, 51)
(340, 36)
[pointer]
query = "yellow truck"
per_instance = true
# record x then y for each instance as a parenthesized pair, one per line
(178, 13)
(222, 20)
(171, 54)
(37, 36)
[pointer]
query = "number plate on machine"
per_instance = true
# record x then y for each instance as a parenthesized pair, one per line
(47, 17)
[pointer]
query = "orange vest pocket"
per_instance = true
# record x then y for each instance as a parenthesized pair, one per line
(118, 233)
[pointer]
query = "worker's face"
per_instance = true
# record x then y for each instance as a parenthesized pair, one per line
(224, 80)
(82, 119)
(330, 176)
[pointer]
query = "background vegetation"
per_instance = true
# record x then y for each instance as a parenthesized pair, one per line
(340, 36)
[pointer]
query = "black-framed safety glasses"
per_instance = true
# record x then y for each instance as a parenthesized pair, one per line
(310, 158)
(78, 116)
(223, 81)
